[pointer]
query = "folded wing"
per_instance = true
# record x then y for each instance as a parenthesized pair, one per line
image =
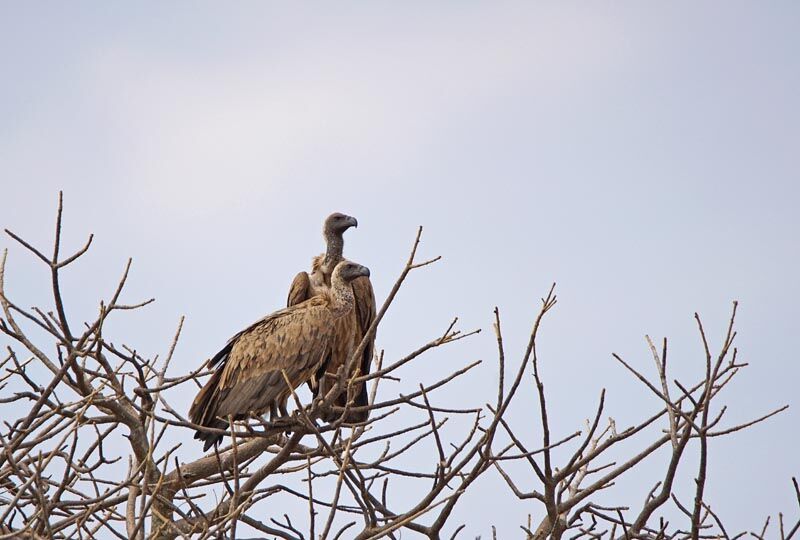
(251, 367)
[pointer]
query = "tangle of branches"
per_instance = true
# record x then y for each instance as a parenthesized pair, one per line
(89, 447)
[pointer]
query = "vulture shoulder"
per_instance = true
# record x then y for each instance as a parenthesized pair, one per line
(305, 285)
(299, 290)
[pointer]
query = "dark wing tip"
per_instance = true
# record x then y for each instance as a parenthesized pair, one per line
(222, 355)
(211, 441)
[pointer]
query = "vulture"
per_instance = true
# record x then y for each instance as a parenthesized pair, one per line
(349, 330)
(295, 341)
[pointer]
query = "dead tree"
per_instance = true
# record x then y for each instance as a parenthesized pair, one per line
(567, 494)
(89, 442)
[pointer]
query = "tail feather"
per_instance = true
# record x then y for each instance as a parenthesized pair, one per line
(203, 412)
(210, 439)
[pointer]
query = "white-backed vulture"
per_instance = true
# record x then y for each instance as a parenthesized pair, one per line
(350, 330)
(294, 341)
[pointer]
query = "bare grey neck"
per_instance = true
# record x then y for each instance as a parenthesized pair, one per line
(333, 252)
(342, 296)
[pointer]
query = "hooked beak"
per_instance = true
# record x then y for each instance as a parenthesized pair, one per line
(352, 222)
(363, 271)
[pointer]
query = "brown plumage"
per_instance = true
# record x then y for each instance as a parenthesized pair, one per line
(295, 341)
(349, 330)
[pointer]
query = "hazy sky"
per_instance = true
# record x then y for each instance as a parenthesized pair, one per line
(643, 156)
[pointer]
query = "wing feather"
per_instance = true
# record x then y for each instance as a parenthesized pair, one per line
(299, 290)
(366, 311)
(294, 340)
(249, 378)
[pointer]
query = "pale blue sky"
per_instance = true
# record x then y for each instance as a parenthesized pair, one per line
(643, 156)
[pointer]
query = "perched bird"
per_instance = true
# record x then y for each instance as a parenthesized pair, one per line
(294, 341)
(349, 330)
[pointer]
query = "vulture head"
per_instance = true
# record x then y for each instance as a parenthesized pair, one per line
(347, 271)
(337, 223)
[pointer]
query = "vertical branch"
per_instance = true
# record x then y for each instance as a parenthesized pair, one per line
(549, 482)
(501, 358)
(337, 490)
(661, 368)
(312, 515)
(711, 376)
